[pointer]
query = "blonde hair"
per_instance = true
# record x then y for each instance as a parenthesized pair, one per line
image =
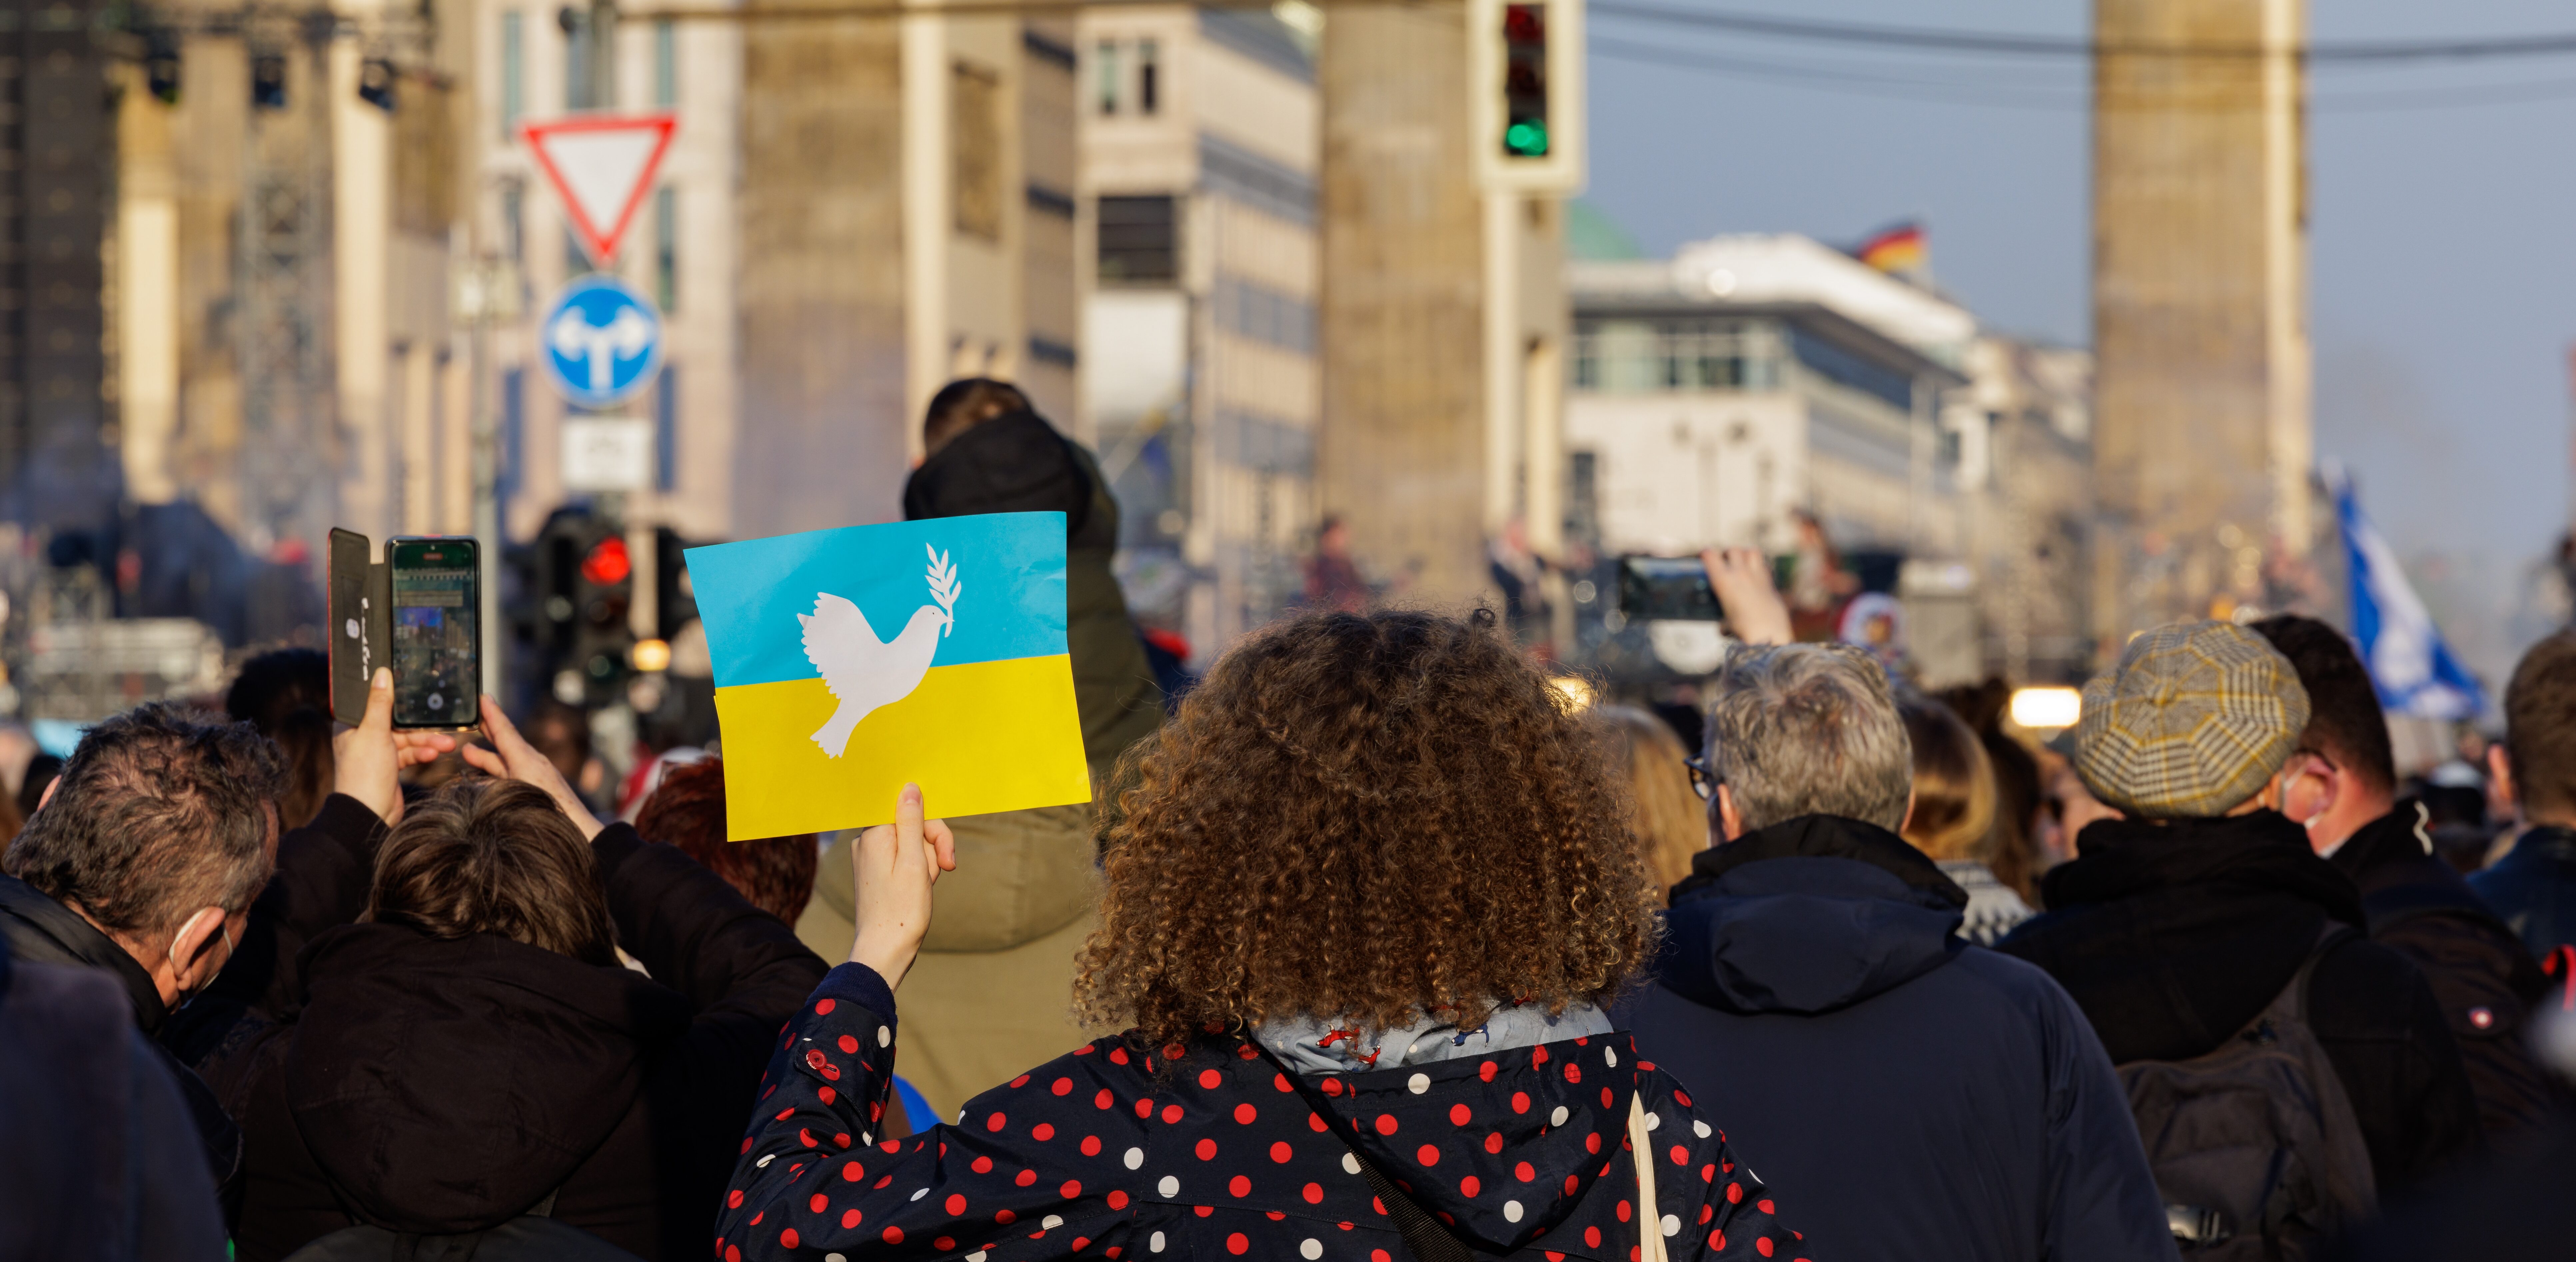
(1671, 822)
(1954, 784)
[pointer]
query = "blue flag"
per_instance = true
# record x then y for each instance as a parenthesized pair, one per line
(2415, 672)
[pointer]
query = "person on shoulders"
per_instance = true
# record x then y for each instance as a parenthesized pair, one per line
(2199, 924)
(1363, 906)
(1919, 1097)
(2341, 786)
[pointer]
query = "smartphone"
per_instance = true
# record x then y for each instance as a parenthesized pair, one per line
(437, 596)
(1667, 589)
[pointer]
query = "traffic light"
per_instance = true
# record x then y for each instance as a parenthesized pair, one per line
(1525, 71)
(602, 639)
(582, 584)
(1525, 80)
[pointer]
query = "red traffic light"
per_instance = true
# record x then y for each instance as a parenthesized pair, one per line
(607, 564)
(1524, 24)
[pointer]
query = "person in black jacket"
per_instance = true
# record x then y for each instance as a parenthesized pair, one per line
(89, 1171)
(2534, 885)
(2177, 924)
(142, 864)
(1920, 1097)
(2341, 785)
(454, 1044)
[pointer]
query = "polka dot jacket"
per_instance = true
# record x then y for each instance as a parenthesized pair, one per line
(1208, 1151)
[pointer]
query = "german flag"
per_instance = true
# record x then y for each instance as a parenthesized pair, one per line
(1900, 248)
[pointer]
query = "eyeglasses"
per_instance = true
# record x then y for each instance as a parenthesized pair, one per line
(1704, 778)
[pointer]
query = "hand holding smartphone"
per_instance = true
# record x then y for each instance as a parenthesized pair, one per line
(1732, 585)
(418, 612)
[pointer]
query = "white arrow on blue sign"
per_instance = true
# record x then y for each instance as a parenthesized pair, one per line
(603, 341)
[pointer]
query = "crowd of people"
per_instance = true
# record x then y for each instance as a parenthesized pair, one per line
(1378, 943)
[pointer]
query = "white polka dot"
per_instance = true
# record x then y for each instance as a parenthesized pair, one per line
(1135, 1157)
(763, 1163)
(1611, 1055)
(1700, 1129)
(1418, 1083)
(866, 1138)
(1050, 1222)
(919, 1193)
(1350, 1162)
(976, 1256)
(1310, 1249)
(1672, 1225)
(1654, 1121)
(1511, 1211)
(961, 1117)
(1169, 1186)
(1557, 1118)
(836, 1257)
(885, 1037)
(1155, 1244)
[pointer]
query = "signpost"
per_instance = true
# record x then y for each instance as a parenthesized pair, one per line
(601, 165)
(602, 342)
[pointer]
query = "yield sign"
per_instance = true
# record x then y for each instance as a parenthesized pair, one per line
(600, 165)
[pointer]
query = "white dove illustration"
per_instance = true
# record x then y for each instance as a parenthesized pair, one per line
(864, 673)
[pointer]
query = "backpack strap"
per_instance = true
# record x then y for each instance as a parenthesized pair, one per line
(1424, 1236)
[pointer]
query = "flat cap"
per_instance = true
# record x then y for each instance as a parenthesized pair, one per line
(2192, 722)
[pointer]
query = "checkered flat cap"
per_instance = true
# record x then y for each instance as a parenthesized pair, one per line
(2192, 722)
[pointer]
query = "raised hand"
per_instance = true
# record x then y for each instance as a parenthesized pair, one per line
(367, 760)
(513, 758)
(1741, 577)
(893, 866)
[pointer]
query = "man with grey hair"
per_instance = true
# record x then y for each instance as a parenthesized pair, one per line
(1913, 1096)
(141, 864)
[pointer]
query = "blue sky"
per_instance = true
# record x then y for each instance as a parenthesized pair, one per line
(2444, 283)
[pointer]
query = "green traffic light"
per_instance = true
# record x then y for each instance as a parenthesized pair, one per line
(1526, 139)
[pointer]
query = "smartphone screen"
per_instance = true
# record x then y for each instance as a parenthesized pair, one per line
(1666, 589)
(438, 642)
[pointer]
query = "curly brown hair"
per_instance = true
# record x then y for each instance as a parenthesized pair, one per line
(1364, 818)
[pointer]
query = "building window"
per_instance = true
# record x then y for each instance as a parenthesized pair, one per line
(666, 63)
(514, 220)
(1139, 240)
(579, 93)
(1148, 71)
(576, 261)
(1104, 68)
(975, 150)
(514, 89)
(666, 429)
(666, 248)
(510, 476)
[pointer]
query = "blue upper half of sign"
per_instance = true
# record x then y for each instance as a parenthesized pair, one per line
(603, 341)
(1008, 571)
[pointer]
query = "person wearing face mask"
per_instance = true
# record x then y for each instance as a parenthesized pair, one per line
(2201, 924)
(142, 863)
(2340, 784)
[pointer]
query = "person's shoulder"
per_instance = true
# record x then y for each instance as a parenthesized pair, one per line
(2364, 989)
(1102, 1074)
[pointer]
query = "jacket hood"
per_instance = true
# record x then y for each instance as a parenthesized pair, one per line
(2171, 936)
(1014, 463)
(1808, 916)
(1554, 1116)
(447, 1086)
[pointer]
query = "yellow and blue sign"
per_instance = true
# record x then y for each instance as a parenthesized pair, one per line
(850, 661)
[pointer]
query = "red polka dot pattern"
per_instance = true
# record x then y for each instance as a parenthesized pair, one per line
(1511, 1145)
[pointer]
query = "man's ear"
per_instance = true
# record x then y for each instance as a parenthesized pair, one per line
(197, 954)
(1730, 824)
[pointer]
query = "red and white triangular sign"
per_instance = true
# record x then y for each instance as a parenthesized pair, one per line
(600, 165)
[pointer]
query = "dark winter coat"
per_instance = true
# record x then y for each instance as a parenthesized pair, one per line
(444, 1087)
(1017, 463)
(1115, 1152)
(2514, 1208)
(2481, 975)
(1913, 1096)
(39, 930)
(2173, 936)
(99, 1162)
(2533, 887)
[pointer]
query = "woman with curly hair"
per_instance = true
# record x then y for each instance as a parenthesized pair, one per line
(1364, 905)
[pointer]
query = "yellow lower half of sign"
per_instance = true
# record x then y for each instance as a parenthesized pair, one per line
(993, 736)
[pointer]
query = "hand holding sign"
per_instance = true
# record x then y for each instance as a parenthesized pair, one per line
(892, 869)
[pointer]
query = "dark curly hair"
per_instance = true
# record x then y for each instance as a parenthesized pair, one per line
(1364, 818)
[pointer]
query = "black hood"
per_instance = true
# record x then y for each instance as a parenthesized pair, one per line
(448, 1085)
(2172, 935)
(1808, 916)
(1013, 463)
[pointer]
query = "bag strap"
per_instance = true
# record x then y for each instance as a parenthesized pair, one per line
(1650, 1220)
(1424, 1236)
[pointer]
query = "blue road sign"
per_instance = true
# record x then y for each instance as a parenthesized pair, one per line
(603, 341)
